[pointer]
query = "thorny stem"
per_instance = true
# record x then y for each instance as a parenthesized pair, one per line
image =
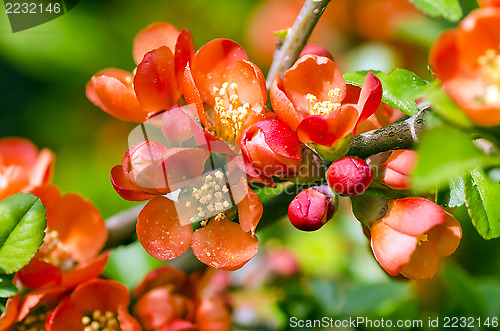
(400, 135)
(296, 38)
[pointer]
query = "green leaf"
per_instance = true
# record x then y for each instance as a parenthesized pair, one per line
(449, 9)
(7, 289)
(453, 195)
(22, 226)
(446, 108)
(400, 86)
(445, 152)
(482, 202)
(464, 290)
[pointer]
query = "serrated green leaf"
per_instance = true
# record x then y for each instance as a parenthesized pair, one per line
(453, 194)
(445, 152)
(22, 226)
(464, 290)
(400, 86)
(482, 202)
(449, 9)
(7, 289)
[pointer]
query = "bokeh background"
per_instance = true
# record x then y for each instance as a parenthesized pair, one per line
(43, 72)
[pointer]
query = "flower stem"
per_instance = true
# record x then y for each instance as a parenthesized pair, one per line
(296, 38)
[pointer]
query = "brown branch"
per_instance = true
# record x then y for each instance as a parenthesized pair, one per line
(297, 37)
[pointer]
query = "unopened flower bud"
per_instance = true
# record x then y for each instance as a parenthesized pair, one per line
(312, 208)
(317, 50)
(349, 176)
(394, 168)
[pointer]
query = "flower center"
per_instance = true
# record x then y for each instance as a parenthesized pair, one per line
(54, 252)
(229, 113)
(323, 107)
(489, 65)
(212, 197)
(422, 238)
(33, 322)
(98, 320)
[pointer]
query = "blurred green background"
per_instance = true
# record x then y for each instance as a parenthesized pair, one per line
(43, 74)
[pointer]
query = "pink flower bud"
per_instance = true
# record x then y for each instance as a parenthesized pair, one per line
(349, 176)
(312, 208)
(272, 148)
(394, 170)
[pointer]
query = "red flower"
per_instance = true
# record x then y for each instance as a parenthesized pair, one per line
(466, 60)
(229, 91)
(161, 54)
(165, 229)
(412, 236)
(22, 166)
(384, 115)
(273, 149)
(489, 3)
(167, 300)
(75, 235)
(311, 100)
(96, 304)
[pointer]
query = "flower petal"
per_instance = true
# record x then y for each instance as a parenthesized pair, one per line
(392, 249)
(124, 188)
(413, 216)
(443, 56)
(183, 54)
(328, 129)
(250, 210)
(370, 97)
(9, 315)
(222, 244)
(112, 91)
(446, 237)
(423, 263)
(154, 36)
(160, 232)
(312, 74)
(212, 314)
(38, 273)
(99, 294)
(85, 271)
(155, 83)
(283, 107)
(212, 65)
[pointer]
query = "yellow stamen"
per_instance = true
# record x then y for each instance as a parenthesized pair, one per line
(229, 113)
(323, 107)
(98, 321)
(422, 238)
(33, 322)
(489, 65)
(54, 252)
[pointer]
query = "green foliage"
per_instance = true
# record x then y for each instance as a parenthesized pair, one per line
(464, 291)
(22, 229)
(449, 9)
(400, 87)
(7, 289)
(445, 152)
(452, 195)
(482, 201)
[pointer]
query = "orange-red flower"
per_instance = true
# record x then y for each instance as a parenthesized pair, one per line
(229, 91)
(75, 235)
(22, 166)
(384, 115)
(467, 61)
(412, 236)
(96, 304)
(311, 99)
(168, 300)
(489, 3)
(161, 53)
(165, 227)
